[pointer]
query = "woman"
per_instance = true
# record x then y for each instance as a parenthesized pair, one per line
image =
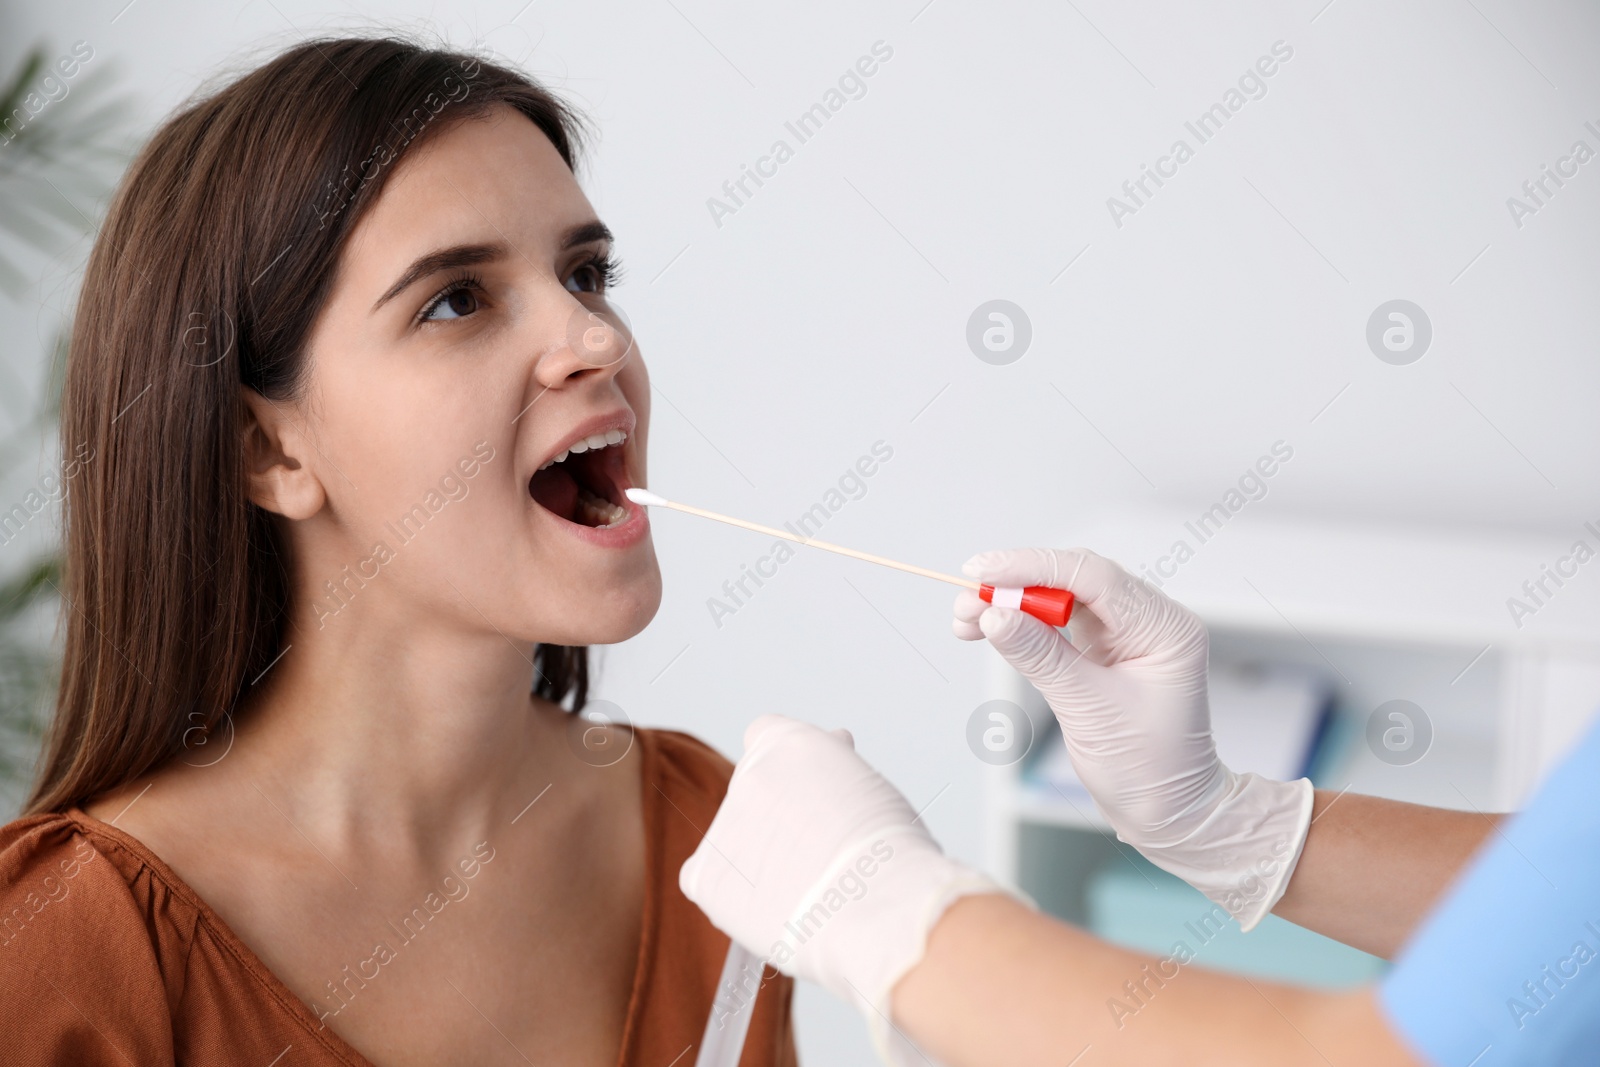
(360, 425)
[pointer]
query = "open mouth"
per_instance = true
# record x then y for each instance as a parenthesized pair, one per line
(584, 484)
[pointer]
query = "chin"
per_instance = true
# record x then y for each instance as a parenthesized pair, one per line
(621, 613)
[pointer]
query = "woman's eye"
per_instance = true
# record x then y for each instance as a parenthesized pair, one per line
(456, 304)
(587, 279)
(595, 276)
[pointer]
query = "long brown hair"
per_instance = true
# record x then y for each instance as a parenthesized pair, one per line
(216, 256)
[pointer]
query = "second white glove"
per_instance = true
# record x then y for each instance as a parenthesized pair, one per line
(817, 864)
(1129, 690)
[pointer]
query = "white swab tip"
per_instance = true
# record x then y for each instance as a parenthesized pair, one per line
(644, 496)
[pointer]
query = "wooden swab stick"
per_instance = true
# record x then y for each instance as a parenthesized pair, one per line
(1053, 606)
(644, 496)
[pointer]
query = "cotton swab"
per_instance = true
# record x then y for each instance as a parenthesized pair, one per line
(1052, 606)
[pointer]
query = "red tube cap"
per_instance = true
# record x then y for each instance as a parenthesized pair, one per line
(1052, 606)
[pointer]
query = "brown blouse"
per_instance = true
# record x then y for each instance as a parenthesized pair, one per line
(108, 957)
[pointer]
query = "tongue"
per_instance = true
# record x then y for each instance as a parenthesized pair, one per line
(555, 490)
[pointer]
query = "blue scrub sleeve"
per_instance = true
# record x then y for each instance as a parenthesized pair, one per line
(1506, 970)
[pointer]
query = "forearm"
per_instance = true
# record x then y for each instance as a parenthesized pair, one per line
(1001, 984)
(1372, 868)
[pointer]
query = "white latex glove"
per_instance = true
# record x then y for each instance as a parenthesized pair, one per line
(1129, 690)
(817, 864)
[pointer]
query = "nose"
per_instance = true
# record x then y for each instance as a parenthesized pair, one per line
(597, 343)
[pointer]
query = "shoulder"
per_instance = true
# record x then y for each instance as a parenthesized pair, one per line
(81, 917)
(683, 764)
(62, 871)
(684, 782)
(43, 860)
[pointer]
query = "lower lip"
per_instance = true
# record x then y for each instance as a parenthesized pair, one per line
(625, 534)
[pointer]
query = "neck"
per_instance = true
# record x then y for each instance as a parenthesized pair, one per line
(380, 725)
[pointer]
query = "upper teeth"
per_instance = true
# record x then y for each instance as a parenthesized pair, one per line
(593, 441)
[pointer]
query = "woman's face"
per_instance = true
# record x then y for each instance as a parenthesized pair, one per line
(467, 344)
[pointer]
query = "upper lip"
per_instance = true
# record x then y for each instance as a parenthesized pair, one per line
(621, 419)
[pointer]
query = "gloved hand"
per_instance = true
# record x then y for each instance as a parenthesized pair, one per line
(1129, 689)
(820, 866)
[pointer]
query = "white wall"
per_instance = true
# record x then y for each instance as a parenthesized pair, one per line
(1224, 315)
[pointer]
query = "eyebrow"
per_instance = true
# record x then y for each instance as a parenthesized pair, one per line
(469, 255)
(587, 233)
(439, 260)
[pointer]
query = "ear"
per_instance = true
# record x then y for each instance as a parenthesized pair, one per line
(275, 448)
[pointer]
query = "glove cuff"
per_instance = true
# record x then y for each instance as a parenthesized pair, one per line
(892, 1045)
(1242, 856)
(866, 922)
